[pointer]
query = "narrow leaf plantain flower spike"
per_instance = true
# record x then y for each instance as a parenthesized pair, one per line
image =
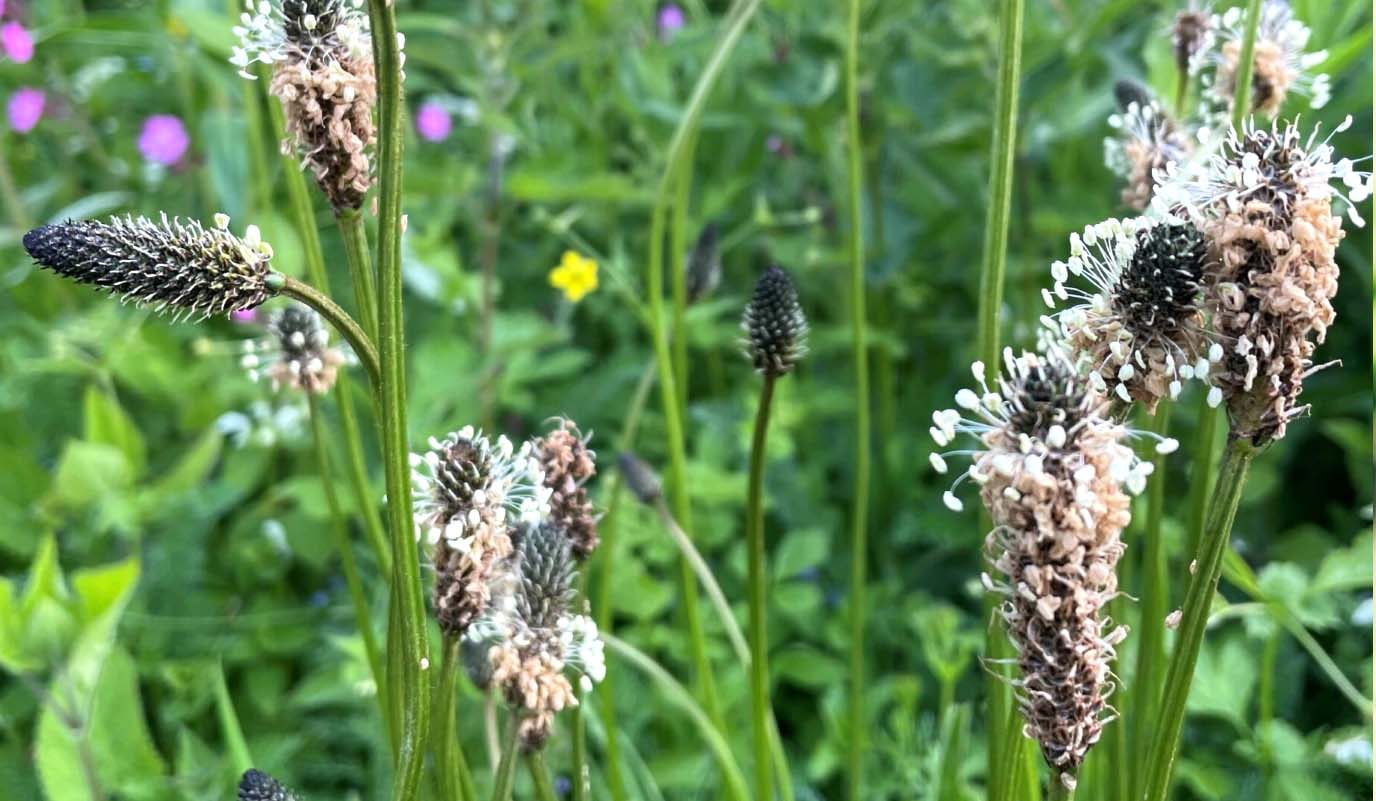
(534, 635)
(462, 492)
(296, 353)
(258, 786)
(640, 478)
(169, 264)
(1139, 327)
(775, 327)
(1279, 64)
(703, 270)
(1266, 207)
(1052, 471)
(1147, 141)
(321, 56)
(568, 464)
(1192, 34)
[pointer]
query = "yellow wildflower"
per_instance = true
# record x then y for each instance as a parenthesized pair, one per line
(576, 276)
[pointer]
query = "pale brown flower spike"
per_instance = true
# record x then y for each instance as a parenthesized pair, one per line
(568, 463)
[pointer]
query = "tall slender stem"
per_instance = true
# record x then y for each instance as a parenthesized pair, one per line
(740, 14)
(1002, 150)
(339, 529)
(455, 779)
(355, 236)
(678, 284)
(505, 775)
(1190, 637)
(1151, 625)
(1242, 91)
(539, 775)
(758, 594)
(337, 317)
(1058, 791)
(1204, 457)
(581, 777)
(859, 549)
(408, 638)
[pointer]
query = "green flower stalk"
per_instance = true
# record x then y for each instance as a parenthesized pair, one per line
(776, 332)
(170, 264)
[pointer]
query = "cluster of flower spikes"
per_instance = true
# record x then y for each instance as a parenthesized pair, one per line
(169, 265)
(568, 464)
(464, 490)
(534, 637)
(1265, 206)
(1140, 327)
(323, 75)
(1146, 140)
(1280, 64)
(296, 353)
(1055, 473)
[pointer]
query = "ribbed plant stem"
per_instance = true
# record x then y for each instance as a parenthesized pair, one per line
(860, 494)
(505, 775)
(539, 774)
(407, 639)
(355, 236)
(1208, 565)
(1155, 593)
(580, 751)
(1002, 150)
(339, 529)
(455, 779)
(1057, 791)
(1242, 91)
(678, 284)
(758, 594)
(741, 12)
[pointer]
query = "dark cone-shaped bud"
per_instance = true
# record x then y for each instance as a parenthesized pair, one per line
(547, 571)
(568, 463)
(310, 20)
(775, 326)
(168, 264)
(703, 271)
(258, 786)
(1127, 91)
(640, 478)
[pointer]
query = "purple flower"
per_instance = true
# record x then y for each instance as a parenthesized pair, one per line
(246, 316)
(163, 140)
(25, 108)
(17, 42)
(670, 19)
(433, 122)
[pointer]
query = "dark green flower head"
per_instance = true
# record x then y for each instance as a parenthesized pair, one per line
(258, 786)
(169, 264)
(775, 327)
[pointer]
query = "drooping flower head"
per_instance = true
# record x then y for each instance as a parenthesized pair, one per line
(169, 264)
(463, 491)
(1146, 142)
(568, 463)
(259, 786)
(1279, 64)
(296, 353)
(1052, 471)
(536, 639)
(322, 63)
(1139, 326)
(1266, 209)
(774, 324)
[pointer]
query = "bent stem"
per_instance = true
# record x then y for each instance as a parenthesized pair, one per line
(455, 779)
(859, 548)
(759, 595)
(339, 529)
(335, 316)
(1209, 564)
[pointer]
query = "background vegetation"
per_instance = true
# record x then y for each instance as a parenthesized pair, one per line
(162, 525)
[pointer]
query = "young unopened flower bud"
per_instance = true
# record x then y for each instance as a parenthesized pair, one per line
(168, 265)
(462, 492)
(775, 327)
(535, 635)
(323, 75)
(568, 463)
(1279, 63)
(258, 786)
(1266, 209)
(1140, 327)
(1147, 143)
(1054, 474)
(703, 270)
(296, 353)
(640, 478)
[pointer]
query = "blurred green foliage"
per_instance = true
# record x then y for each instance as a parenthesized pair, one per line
(160, 514)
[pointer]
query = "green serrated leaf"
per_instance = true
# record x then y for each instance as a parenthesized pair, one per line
(106, 422)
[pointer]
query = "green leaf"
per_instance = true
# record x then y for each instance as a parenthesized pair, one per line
(194, 466)
(106, 422)
(800, 550)
(808, 667)
(90, 472)
(1347, 569)
(1223, 680)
